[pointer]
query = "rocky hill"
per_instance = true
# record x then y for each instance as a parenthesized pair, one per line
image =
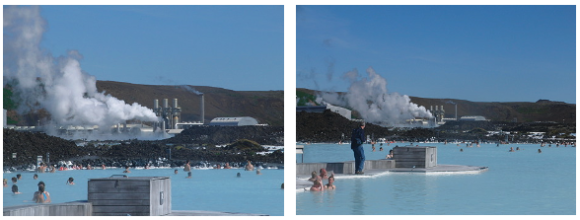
(265, 106)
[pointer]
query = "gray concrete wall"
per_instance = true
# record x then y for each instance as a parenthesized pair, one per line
(61, 209)
(342, 167)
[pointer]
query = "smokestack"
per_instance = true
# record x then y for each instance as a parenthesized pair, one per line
(156, 106)
(175, 121)
(165, 103)
(202, 109)
(455, 112)
(175, 103)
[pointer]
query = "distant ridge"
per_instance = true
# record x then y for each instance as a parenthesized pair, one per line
(266, 106)
(542, 110)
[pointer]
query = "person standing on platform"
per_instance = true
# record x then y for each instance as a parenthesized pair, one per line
(356, 144)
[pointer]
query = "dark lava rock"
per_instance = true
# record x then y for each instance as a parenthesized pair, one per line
(330, 127)
(220, 135)
(197, 144)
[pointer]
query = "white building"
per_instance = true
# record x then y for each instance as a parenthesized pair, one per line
(472, 118)
(234, 121)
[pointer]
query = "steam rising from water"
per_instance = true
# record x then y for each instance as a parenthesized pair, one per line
(58, 85)
(369, 96)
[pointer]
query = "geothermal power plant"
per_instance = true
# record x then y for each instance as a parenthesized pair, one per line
(170, 115)
(169, 121)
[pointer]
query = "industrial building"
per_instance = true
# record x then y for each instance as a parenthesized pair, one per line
(438, 114)
(473, 118)
(234, 121)
(169, 114)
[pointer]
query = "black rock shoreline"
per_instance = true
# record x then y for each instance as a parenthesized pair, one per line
(198, 145)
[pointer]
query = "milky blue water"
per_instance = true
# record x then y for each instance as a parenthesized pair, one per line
(524, 182)
(208, 190)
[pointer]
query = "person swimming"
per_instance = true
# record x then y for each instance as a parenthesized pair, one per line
(35, 176)
(314, 176)
(249, 166)
(126, 170)
(227, 166)
(239, 175)
(512, 149)
(70, 181)
(317, 186)
(187, 167)
(14, 186)
(330, 184)
(175, 171)
(41, 196)
(323, 174)
(390, 155)
(258, 172)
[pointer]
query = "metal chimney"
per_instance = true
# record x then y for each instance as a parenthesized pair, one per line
(202, 110)
(455, 112)
(156, 105)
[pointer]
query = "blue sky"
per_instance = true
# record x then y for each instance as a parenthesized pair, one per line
(475, 53)
(232, 47)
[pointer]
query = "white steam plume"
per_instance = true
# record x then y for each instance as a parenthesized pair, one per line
(369, 96)
(56, 84)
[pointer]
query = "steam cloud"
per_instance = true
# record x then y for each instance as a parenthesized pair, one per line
(369, 96)
(58, 85)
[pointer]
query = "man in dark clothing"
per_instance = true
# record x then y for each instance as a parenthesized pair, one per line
(356, 144)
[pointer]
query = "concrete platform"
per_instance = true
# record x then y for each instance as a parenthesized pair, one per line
(303, 184)
(443, 168)
(208, 213)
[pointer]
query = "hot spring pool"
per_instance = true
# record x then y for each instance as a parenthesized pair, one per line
(208, 190)
(524, 182)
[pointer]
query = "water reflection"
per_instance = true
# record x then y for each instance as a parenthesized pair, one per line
(358, 197)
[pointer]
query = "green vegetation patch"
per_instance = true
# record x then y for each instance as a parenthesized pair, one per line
(304, 98)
